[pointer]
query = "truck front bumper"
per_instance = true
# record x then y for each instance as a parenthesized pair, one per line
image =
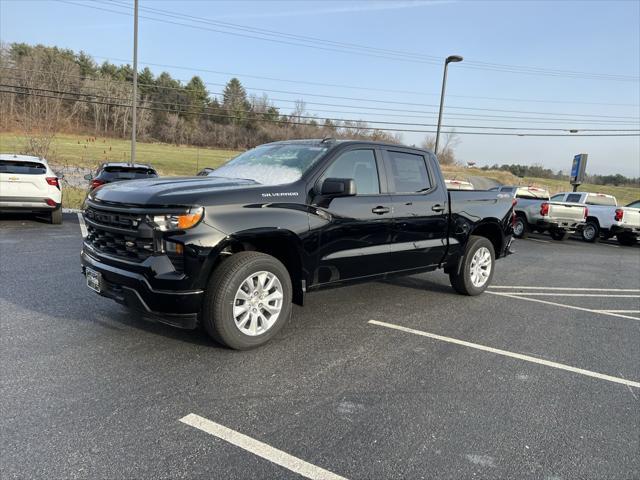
(178, 308)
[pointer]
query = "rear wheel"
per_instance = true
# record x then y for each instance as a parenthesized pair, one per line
(248, 300)
(591, 231)
(55, 217)
(559, 235)
(520, 227)
(476, 271)
(627, 239)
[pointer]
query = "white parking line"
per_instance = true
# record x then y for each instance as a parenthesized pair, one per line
(260, 449)
(619, 311)
(572, 307)
(545, 294)
(569, 289)
(83, 227)
(506, 353)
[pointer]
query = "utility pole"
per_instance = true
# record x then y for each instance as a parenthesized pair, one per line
(134, 100)
(449, 59)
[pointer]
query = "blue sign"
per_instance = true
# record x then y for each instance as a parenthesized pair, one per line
(575, 168)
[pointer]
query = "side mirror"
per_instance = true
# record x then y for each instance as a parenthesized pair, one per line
(88, 176)
(338, 187)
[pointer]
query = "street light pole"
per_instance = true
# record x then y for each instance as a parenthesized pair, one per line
(449, 59)
(134, 100)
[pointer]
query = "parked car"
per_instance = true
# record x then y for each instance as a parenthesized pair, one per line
(536, 212)
(458, 185)
(27, 184)
(232, 251)
(605, 217)
(118, 171)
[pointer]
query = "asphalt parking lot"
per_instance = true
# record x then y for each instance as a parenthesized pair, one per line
(395, 379)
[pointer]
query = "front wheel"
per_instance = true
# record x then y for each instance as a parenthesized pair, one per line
(476, 271)
(248, 300)
(559, 235)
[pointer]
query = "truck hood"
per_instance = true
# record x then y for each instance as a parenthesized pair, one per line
(170, 191)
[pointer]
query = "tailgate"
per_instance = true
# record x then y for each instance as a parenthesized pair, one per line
(566, 212)
(21, 185)
(630, 218)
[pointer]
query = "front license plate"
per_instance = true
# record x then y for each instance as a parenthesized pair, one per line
(93, 279)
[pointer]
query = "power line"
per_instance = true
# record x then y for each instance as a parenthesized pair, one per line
(261, 34)
(288, 122)
(388, 112)
(168, 103)
(391, 102)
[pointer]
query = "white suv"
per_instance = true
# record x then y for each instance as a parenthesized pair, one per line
(28, 184)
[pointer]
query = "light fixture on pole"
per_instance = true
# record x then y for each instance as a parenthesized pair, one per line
(449, 59)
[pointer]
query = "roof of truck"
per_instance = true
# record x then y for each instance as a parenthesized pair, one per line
(333, 141)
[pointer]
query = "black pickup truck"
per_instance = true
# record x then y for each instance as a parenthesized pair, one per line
(232, 250)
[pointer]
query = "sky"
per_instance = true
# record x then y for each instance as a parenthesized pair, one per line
(520, 59)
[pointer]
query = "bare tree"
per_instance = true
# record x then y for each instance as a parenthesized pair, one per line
(446, 156)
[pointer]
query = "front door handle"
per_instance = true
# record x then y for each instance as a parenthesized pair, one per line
(380, 210)
(437, 208)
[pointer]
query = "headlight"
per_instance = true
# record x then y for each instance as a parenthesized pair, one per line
(178, 222)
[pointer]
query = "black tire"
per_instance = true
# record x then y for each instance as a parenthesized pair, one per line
(559, 235)
(217, 311)
(520, 227)
(627, 239)
(591, 231)
(55, 217)
(461, 280)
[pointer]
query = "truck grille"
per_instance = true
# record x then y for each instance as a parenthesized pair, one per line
(126, 243)
(113, 219)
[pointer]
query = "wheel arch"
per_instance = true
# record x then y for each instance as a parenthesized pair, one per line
(279, 243)
(492, 231)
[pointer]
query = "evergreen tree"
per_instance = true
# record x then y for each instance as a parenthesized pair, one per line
(235, 102)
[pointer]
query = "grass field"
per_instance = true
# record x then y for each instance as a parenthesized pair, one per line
(85, 151)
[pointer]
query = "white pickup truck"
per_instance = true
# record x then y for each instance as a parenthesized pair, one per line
(605, 217)
(535, 211)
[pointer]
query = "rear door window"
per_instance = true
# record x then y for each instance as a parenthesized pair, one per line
(22, 168)
(407, 172)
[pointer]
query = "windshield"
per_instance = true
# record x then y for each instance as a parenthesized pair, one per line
(272, 164)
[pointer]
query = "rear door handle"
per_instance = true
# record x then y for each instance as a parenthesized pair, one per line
(437, 208)
(380, 210)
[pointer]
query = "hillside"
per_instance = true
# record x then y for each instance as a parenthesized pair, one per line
(75, 155)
